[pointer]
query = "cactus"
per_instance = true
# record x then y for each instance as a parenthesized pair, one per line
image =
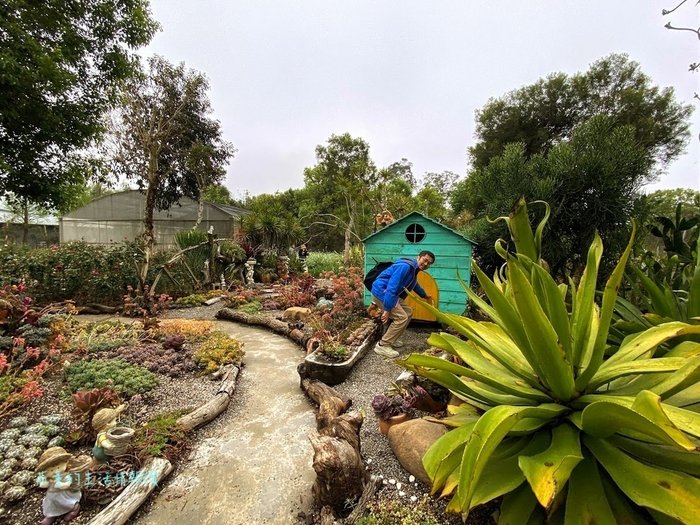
(10, 433)
(57, 441)
(32, 452)
(10, 463)
(18, 422)
(29, 463)
(5, 443)
(22, 478)
(33, 440)
(50, 429)
(34, 428)
(15, 451)
(15, 493)
(52, 419)
(5, 473)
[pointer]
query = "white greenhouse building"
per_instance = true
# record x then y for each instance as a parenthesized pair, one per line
(117, 217)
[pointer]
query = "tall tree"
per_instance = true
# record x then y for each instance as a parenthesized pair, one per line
(591, 182)
(664, 202)
(518, 134)
(545, 113)
(394, 189)
(273, 224)
(60, 66)
(344, 169)
(165, 140)
(217, 193)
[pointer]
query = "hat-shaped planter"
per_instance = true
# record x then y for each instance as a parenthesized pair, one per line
(52, 457)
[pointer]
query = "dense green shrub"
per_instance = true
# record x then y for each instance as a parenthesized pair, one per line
(320, 262)
(121, 376)
(77, 271)
(253, 307)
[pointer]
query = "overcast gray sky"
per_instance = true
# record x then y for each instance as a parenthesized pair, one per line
(405, 75)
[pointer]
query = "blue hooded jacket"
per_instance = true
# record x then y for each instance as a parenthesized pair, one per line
(389, 284)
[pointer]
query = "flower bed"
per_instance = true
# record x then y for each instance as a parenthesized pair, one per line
(56, 373)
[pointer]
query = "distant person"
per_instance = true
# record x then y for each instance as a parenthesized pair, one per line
(303, 254)
(388, 291)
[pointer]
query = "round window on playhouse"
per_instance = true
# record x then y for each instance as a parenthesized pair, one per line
(415, 233)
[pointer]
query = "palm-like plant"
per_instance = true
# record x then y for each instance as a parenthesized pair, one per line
(563, 433)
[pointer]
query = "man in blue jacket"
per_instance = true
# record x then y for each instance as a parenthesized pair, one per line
(388, 291)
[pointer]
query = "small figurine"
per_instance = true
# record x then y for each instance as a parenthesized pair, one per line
(104, 420)
(62, 498)
(249, 269)
(387, 218)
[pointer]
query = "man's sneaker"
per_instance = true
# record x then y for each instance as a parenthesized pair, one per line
(385, 351)
(398, 344)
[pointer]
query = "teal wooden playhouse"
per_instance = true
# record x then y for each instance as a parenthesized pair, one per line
(410, 235)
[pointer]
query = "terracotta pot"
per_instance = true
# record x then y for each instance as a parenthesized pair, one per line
(428, 404)
(386, 424)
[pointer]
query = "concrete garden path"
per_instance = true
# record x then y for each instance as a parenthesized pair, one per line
(256, 469)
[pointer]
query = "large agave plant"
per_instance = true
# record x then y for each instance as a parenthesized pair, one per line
(563, 433)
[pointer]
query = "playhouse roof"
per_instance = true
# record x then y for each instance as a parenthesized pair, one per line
(411, 216)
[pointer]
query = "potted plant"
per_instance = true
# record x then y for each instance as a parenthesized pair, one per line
(392, 407)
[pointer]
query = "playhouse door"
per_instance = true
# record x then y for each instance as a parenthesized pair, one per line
(430, 286)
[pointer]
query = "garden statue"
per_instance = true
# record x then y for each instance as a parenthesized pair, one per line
(383, 219)
(62, 498)
(104, 420)
(249, 268)
(283, 270)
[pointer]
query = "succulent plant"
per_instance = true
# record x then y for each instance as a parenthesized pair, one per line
(10, 463)
(33, 440)
(15, 451)
(5, 443)
(29, 463)
(51, 419)
(34, 428)
(3, 486)
(10, 433)
(22, 478)
(18, 422)
(51, 430)
(5, 472)
(32, 452)
(57, 441)
(15, 493)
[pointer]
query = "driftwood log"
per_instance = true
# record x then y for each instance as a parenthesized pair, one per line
(130, 499)
(214, 406)
(274, 325)
(340, 472)
(94, 308)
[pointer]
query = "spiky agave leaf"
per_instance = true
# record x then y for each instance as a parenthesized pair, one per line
(554, 426)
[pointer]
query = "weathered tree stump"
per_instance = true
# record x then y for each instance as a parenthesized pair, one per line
(216, 405)
(340, 472)
(130, 499)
